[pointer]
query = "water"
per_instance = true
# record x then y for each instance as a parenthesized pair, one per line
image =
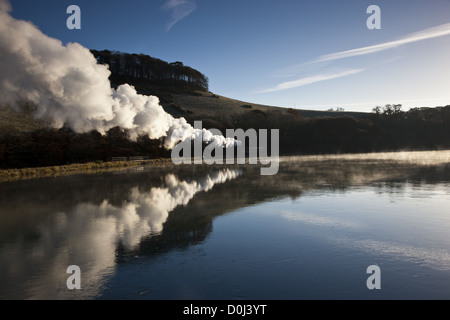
(211, 232)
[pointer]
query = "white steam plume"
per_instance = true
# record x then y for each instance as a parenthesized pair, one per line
(70, 87)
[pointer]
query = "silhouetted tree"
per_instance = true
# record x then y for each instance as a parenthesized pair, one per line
(131, 67)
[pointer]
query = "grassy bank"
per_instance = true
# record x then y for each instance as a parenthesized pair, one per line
(76, 168)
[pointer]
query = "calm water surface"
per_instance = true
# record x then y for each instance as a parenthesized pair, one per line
(209, 232)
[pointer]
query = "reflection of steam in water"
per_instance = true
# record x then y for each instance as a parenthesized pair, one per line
(146, 212)
(87, 236)
(47, 226)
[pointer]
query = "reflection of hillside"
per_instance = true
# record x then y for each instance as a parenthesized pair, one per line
(99, 221)
(300, 174)
(192, 223)
(86, 234)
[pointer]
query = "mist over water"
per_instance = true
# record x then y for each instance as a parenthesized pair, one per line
(423, 158)
(206, 232)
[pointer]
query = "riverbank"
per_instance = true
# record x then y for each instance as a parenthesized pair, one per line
(77, 168)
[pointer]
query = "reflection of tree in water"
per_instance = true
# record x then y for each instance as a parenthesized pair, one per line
(98, 221)
(167, 241)
(301, 174)
(294, 178)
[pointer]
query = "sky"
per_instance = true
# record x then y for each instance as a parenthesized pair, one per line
(312, 55)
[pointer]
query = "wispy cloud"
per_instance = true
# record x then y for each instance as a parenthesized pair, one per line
(309, 80)
(180, 9)
(435, 32)
(430, 33)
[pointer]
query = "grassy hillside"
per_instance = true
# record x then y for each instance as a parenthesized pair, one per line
(183, 92)
(209, 105)
(206, 106)
(15, 121)
(27, 142)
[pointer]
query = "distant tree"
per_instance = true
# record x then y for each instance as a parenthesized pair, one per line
(338, 109)
(397, 108)
(377, 110)
(390, 109)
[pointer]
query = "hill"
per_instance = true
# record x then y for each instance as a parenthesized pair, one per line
(183, 92)
(27, 142)
(209, 105)
(196, 105)
(22, 120)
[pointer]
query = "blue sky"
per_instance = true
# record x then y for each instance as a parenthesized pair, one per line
(304, 54)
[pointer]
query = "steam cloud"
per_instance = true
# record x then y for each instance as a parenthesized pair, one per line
(70, 88)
